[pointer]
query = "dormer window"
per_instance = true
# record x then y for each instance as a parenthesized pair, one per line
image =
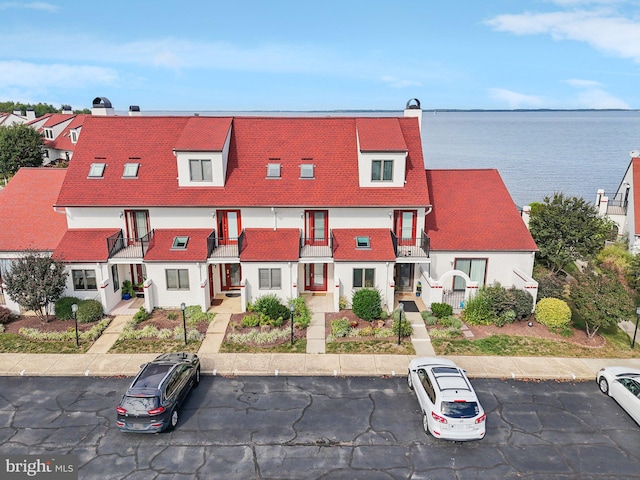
(130, 170)
(97, 170)
(306, 170)
(74, 136)
(180, 243)
(382, 171)
(363, 242)
(200, 170)
(48, 133)
(273, 170)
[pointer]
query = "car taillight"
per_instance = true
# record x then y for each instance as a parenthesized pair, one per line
(121, 411)
(481, 418)
(438, 418)
(156, 411)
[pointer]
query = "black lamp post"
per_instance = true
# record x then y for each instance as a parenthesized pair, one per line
(400, 310)
(292, 307)
(74, 309)
(184, 322)
(633, 342)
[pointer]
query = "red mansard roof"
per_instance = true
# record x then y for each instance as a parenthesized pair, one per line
(473, 211)
(268, 245)
(84, 245)
(381, 249)
(329, 143)
(161, 246)
(380, 135)
(26, 210)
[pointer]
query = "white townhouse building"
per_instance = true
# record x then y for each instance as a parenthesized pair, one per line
(192, 209)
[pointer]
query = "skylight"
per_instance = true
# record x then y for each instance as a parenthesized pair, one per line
(273, 170)
(306, 170)
(363, 242)
(180, 243)
(97, 170)
(130, 170)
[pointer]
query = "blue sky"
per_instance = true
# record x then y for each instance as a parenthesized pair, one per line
(322, 55)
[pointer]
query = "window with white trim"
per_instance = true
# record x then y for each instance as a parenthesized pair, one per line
(96, 170)
(179, 243)
(84, 279)
(131, 170)
(74, 136)
(306, 170)
(200, 170)
(363, 242)
(48, 133)
(177, 278)
(269, 278)
(364, 277)
(382, 170)
(115, 277)
(273, 170)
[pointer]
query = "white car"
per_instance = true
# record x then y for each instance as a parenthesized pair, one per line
(450, 407)
(623, 384)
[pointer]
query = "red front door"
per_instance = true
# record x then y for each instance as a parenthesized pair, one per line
(405, 226)
(137, 224)
(230, 276)
(229, 226)
(316, 227)
(315, 277)
(137, 277)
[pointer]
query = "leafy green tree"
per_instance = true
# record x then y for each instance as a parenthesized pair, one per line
(568, 229)
(35, 282)
(20, 146)
(601, 299)
(39, 108)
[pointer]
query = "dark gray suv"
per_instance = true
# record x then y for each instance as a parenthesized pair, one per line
(151, 403)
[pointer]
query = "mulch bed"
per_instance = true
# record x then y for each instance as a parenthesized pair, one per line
(356, 322)
(235, 326)
(160, 319)
(53, 325)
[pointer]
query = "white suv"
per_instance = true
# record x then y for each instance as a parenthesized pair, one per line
(450, 407)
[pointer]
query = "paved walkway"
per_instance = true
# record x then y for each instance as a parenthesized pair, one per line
(97, 362)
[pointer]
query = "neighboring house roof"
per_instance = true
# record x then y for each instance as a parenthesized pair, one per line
(84, 245)
(380, 249)
(329, 143)
(473, 211)
(63, 141)
(635, 165)
(161, 248)
(26, 211)
(268, 245)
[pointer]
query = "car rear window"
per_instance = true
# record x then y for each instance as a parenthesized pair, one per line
(460, 409)
(139, 404)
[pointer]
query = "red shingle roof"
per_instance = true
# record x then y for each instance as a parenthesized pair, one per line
(268, 245)
(380, 135)
(204, 134)
(26, 211)
(84, 245)
(381, 249)
(328, 142)
(196, 251)
(63, 141)
(473, 211)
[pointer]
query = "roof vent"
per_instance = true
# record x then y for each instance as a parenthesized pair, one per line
(66, 109)
(102, 106)
(134, 111)
(414, 105)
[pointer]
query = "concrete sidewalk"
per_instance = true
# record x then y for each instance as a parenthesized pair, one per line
(97, 362)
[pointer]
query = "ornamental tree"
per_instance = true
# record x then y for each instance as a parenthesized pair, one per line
(20, 146)
(568, 229)
(35, 282)
(601, 300)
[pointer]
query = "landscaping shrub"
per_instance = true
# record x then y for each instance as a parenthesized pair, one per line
(251, 320)
(405, 327)
(479, 310)
(89, 311)
(5, 315)
(302, 313)
(507, 317)
(194, 314)
(429, 318)
(343, 303)
(450, 321)
(62, 308)
(551, 286)
(366, 304)
(522, 303)
(141, 315)
(553, 313)
(440, 310)
(271, 306)
(340, 327)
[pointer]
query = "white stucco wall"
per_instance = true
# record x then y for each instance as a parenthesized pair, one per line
(383, 278)
(250, 273)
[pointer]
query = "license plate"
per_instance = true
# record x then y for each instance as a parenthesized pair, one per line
(138, 426)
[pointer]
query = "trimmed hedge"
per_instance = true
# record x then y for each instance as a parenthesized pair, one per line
(62, 308)
(89, 311)
(553, 312)
(441, 310)
(366, 304)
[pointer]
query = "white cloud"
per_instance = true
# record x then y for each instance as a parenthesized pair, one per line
(31, 75)
(47, 7)
(603, 29)
(593, 95)
(515, 99)
(398, 83)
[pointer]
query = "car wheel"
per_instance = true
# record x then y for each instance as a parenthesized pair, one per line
(409, 381)
(425, 423)
(604, 385)
(196, 381)
(173, 420)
